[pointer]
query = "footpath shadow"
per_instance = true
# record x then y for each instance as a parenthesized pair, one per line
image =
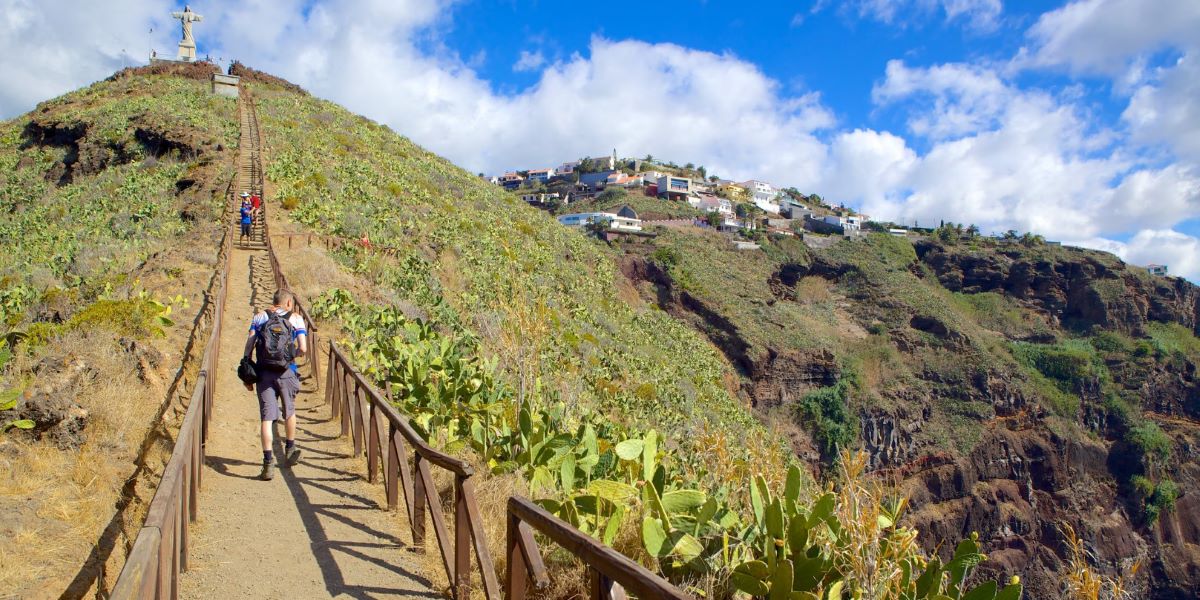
(318, 516)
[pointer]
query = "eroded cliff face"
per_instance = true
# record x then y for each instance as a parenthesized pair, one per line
(1089, 289)
(1023, 469)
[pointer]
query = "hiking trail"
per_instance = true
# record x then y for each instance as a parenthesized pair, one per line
(315, 530)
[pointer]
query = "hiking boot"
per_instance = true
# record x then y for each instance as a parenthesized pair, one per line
(292, 456)
(268, 471)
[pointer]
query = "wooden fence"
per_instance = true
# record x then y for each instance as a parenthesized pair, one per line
(376, 428)
(160, 550)
(374, 424)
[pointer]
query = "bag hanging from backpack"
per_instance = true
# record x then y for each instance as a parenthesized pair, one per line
(275, 347)
(246, 371)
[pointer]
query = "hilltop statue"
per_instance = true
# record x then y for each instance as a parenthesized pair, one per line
(187, 46)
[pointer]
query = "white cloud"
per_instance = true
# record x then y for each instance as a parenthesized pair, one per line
(1180, 252)
(1003, 158)
(964, 98)
(981, 15)
(1110, 37)
(1167, 110)
(529, 61)
(49, 47)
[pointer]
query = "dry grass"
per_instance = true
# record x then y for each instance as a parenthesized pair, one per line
(814, 290)
(54, 503)
(310, 270)
(1083, 582)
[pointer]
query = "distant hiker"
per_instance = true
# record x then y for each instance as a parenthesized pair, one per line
(247, 215)
(277, 337)
(255, 204)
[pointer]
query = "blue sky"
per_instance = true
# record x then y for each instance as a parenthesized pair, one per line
(1079, 120)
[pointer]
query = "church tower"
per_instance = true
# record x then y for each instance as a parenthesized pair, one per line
(612, 161)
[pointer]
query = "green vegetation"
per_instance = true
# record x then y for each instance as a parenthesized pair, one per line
(826, 412)
(1070, 365)
(84, 234)
(540, 297)
(1173, 339)
(606, 478)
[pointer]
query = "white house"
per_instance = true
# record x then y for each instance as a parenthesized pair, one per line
(540, 174)
(567, 168)
(848, 224)
(763, 194)
(615, 221)
(540, 198)
(711, 203)
(650, 177)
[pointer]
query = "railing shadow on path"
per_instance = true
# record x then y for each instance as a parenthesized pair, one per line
(326, 551)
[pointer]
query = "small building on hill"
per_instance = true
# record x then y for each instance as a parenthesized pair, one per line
(673, 187)
(628, 213)
(1160, 270)
(614, 221)
(594, 182)
(712, 203)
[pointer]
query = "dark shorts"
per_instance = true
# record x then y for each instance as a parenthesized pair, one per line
(245, 229)
(274, 386)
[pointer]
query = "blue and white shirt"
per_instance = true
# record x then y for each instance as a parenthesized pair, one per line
(297, 322)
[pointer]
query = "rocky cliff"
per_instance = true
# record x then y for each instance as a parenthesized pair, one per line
(1009, 390)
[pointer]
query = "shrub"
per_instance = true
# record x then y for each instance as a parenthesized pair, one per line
(665, 256)
(1164, 496)
(1149, 441)
(136, 317)
(826, 412)
(1068, 364)
(289, 202)
(1109, 341)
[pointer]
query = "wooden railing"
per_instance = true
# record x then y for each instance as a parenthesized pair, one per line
(610, 573)
(160, 550)
(374, 425)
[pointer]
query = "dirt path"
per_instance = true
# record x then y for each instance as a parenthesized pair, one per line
(317, 529)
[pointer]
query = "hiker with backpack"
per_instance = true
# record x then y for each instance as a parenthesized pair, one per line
(247, 216)
(277, 337)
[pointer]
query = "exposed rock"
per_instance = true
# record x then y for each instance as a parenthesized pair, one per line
(50, 403)
(1077, 288)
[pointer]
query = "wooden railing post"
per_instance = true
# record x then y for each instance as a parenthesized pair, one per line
(516, 578)
(329, 380)
(603, 588)
(391, 477)
(372, 445)
(356, 416)
(345, 409)
(418, 507)
(462, 542)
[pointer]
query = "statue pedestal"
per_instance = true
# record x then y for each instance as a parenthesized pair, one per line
(187, 52)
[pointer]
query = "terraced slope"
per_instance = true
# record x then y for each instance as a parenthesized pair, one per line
(109, 204)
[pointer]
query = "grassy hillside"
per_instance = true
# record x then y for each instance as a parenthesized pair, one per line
(523, 344)
(109, 199)
(546, 300)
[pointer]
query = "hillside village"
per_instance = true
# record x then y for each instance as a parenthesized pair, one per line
(604, 196)
(685, 195)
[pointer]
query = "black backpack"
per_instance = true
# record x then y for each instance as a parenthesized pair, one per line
(275, 347)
